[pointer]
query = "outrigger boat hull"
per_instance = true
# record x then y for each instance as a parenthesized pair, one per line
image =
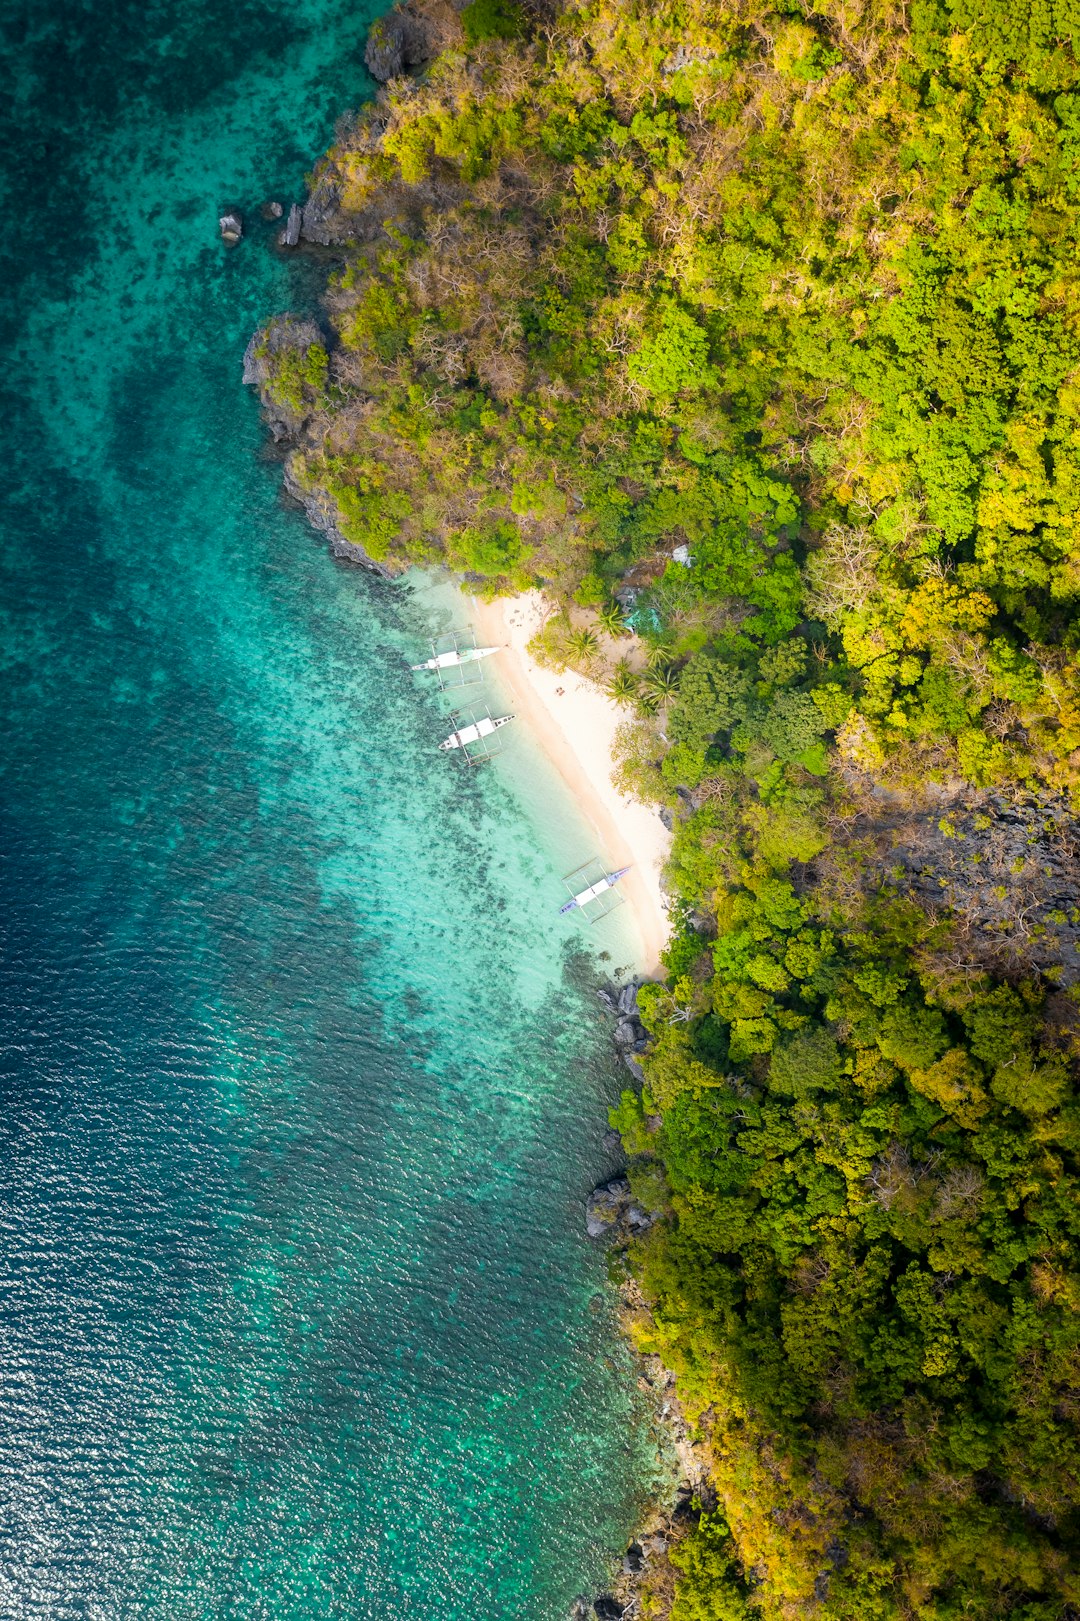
(590, 894)
(473, 733)
(447, 661)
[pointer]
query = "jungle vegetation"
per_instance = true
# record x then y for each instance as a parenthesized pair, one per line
(794, 285)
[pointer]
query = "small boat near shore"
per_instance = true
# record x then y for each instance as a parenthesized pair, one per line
(455, 657)
(475, 731)
(592, 892)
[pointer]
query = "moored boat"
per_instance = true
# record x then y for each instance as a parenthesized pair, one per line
(455, 657)
(584, 896)
(476, 730)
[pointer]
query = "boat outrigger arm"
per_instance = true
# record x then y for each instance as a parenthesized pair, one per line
(474, 732)
(607, 882)
(447, 661)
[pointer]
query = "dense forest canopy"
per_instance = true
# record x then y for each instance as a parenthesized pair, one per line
(794, 287)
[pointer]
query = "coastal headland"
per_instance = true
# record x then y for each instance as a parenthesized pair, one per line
(731, 351)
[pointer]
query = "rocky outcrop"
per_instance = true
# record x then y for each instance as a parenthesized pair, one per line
(621, 999)
(612, 1213)
(384, 53)
(266, 345)
(320, 220)
(606, 1607)
(231, 226)
(630, 1036)
(323, 515)
(284, 332)
(342, 207)
(682, 58)
(1009, 869)
(286, 427)
(396, 43)
(290, 235)
(998, 869)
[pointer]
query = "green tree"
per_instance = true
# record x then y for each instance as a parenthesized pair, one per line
(583, 645)
(611, 620)
(491, 19)
(663, 682)
(622, 686)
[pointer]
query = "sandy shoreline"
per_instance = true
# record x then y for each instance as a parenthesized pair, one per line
(575, 724)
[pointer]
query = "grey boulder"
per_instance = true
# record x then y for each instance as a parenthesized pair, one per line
(610, 1212)
(628, 998)
(290, 236)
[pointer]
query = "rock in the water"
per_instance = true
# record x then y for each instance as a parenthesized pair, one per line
(271, 211)
(290, 236)
(612, 1141)
(628, 998)
(231, 225)
(607, 1608)
(609, 999)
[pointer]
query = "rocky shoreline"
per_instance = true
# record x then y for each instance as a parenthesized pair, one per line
(286, 333)
(644, 1581)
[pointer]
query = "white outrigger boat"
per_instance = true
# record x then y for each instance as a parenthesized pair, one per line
(476, 730)
(593, 891)
(455, 657)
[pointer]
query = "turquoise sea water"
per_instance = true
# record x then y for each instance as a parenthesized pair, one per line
(300, 1081)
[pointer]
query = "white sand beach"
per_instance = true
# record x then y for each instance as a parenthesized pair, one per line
(575, 723)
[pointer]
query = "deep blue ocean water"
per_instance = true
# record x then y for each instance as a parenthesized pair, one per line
(300, 1081)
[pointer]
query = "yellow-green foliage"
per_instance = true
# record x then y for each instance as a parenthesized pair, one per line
(794, 286)
(789, 286)
(297, 377)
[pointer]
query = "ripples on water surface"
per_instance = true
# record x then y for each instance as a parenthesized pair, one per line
(297, 1104)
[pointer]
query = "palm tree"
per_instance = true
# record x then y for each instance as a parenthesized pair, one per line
(663, 682)
(657, 654)
(583, 645)
(622, 686)
(646, 702)
(610, 619)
